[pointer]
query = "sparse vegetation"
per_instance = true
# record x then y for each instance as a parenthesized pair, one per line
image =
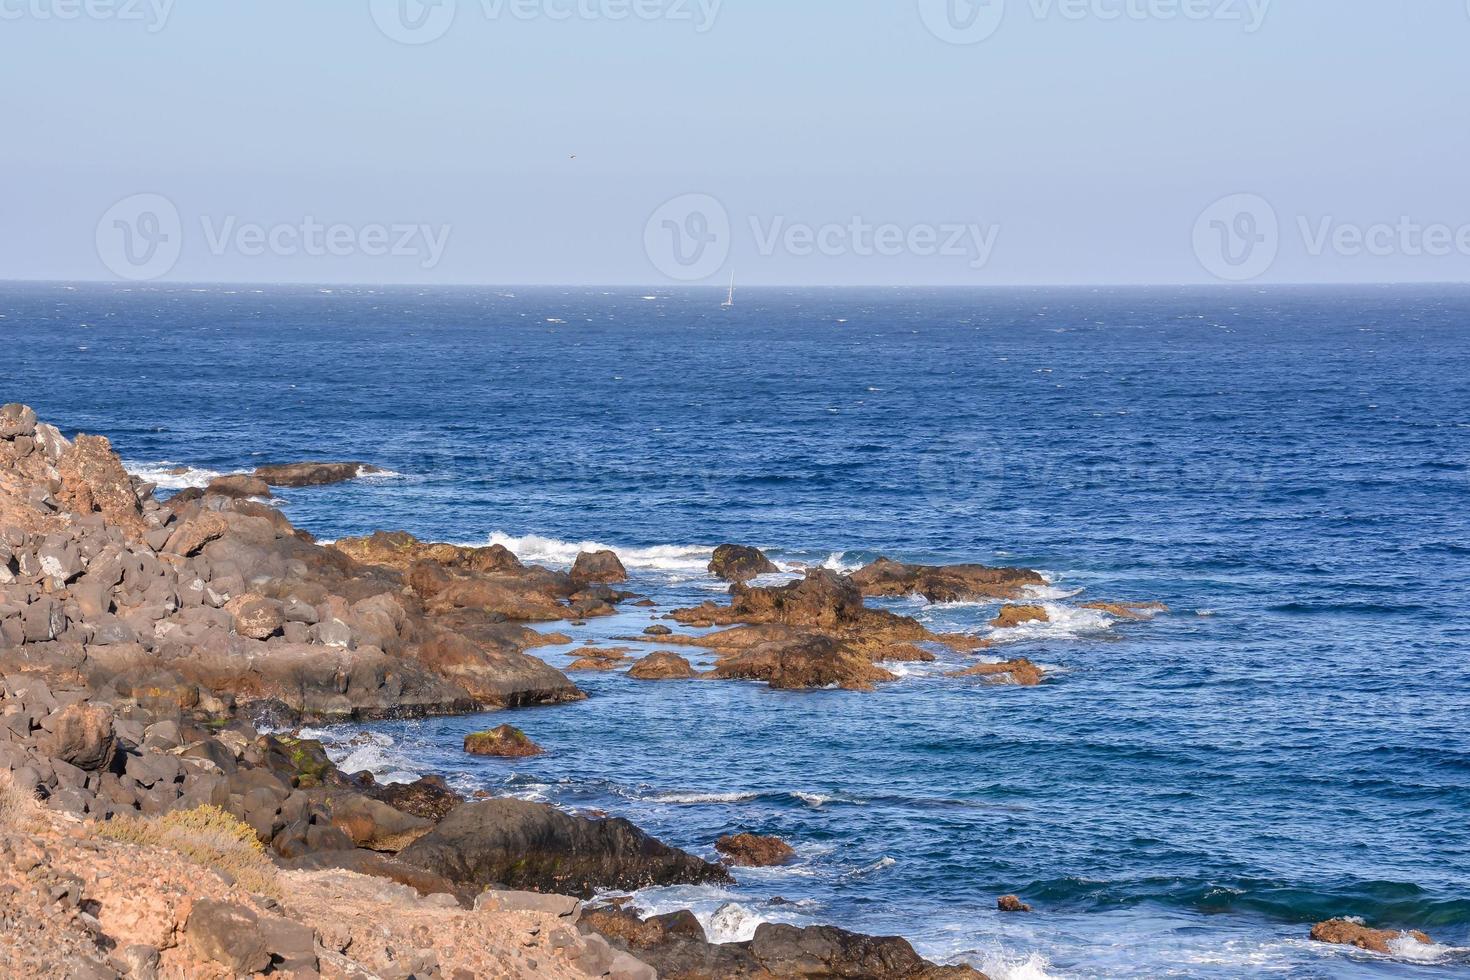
(207, 836)
(17, 805)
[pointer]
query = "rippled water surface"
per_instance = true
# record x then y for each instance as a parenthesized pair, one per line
(1287, 469)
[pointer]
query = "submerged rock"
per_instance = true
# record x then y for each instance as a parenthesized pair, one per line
(1128, 610)
(755, 850)
(536, 847)
(739, 563)
(504, 742)
(1011, 903)
(1013, 616)
(1020, 671)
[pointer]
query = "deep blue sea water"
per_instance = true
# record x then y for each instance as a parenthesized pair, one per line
(1289, 469)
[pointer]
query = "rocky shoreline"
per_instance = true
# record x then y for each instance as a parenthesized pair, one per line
(152, 653)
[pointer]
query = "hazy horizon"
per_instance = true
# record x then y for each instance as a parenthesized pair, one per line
(648, 143)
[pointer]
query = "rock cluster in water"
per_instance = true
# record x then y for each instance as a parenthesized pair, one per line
(147, 651)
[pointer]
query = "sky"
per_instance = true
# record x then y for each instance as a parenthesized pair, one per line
(802, 142)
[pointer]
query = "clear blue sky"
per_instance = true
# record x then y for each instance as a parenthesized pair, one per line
(1088, 145)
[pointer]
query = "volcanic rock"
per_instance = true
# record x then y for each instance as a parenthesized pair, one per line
(739, 563)
(754, 850)
(1021, 672)
(1010, 903)
(802, 661)
(598, 568)
(1347, 932)
(1013, 616)
(944, 583)
(504, 742)
(239, 486)
(312, 474)
(536, 847)
(662, 667)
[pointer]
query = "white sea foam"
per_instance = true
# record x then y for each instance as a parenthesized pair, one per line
(1004, 966)
(733, 923)
(878, 865)
(815, 799)
(374, 752)
(697, 798)
(679, 558)
(1406, 947)
(840, 563)
(171, 476)
(1063, 622)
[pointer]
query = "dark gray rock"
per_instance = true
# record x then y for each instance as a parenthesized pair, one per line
(535, 847)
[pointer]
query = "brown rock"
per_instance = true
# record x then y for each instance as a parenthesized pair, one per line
(17, 420)
(905, 653)
(739, 563)
(255, 616)
(598, 568)
(504, 742)
(1013, 616)
(93, 479)
(803, 661)
(755, 851)
(238, 486)
(429, 797)
(81, 734)
(944, 583)
(312, 474)
(1010, 903)
(228, 934)
(191, 536)
(1021, 672)
(1345, 932)
(662, 667)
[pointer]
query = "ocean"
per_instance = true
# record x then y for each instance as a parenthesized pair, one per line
(1287, 468)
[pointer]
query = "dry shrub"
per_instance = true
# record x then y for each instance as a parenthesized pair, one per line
(18, 807)
(206, 836)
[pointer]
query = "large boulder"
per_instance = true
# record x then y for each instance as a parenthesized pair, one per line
(739, 563)
(312, 474)
(945, 583)
(81, 734)
(536, 847)
(229, 935)
(598, 568)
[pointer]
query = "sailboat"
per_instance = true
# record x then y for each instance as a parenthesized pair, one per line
(730, 300)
